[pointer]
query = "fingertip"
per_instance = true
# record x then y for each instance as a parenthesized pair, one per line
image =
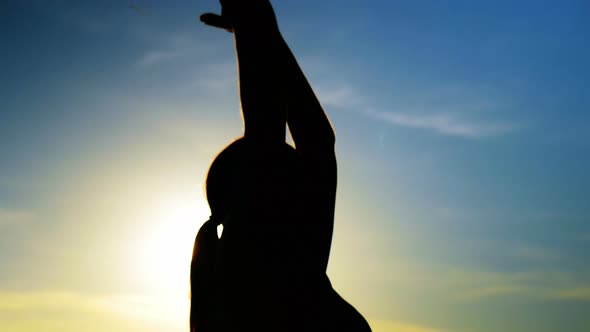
(217, 21)
(208, 17)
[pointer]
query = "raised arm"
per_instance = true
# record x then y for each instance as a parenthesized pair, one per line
(272, 86)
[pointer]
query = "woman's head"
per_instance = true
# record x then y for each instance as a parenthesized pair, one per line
(247, 174)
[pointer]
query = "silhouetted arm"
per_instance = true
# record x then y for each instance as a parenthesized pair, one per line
(261, 82)
(269, 70)
(272, 86)
(202, 278)
(308, 124)
(260, 79)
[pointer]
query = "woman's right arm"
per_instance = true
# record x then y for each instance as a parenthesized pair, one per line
(272, 85)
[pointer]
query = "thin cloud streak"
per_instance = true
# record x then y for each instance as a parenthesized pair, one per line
(177, 47)
(533, 284)
(341, 97)
(14, 217)
(575, 294)
(445, 123)
(389, 325)
(441, 123)
(153, 310)
(155, 57)
(579, 294)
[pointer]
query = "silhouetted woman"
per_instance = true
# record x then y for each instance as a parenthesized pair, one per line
(267, 272)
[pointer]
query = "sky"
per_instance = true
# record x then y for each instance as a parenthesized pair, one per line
(462, 148)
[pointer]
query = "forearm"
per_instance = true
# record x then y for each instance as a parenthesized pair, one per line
(273, 89)
(262, 90)
(308, 123)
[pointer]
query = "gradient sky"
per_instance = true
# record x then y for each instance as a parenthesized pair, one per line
(462, 141)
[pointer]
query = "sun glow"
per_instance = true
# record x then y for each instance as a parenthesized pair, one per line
(167, 244)
(161, 253)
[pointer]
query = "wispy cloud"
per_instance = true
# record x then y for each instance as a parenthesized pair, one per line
(541, 285)
(12, 216)
(390, 325)
(494, 291)
(151, 309)
(339, 97)
(441, 123)
(534, 254)
(576, 294)
(179, 46)
(28, 301)
(157, 56)
(447, 119)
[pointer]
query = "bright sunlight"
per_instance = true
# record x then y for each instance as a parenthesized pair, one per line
(161, 254)
(165, 250)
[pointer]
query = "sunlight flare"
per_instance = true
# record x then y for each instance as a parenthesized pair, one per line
(164, 253)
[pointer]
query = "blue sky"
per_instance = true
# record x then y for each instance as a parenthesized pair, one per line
(462, 144)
